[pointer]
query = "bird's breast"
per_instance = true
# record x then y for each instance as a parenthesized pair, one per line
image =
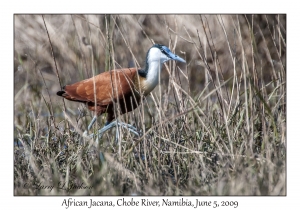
(144, 86)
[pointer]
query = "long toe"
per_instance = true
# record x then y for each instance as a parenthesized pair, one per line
(133, 131)
(125, 125)
(129, 127)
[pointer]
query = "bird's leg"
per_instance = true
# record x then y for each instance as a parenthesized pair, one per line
(128, 127)
(109, 125)
(113, 124)
(85, 133)
(125, 125)
(92, 122)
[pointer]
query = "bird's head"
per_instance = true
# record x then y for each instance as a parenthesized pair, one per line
(162, 53)
(157, 55)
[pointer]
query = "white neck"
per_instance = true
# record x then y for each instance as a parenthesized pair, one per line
(155, 59)
(153, 75)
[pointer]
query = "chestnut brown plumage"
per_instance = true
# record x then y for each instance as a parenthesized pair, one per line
(100, 92)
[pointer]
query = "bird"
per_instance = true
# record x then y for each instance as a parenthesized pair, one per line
(126, 87)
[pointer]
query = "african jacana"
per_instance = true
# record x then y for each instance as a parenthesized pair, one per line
(123, 86)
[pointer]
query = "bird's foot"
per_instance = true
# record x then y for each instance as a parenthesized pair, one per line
(129, 127)
(100, 132)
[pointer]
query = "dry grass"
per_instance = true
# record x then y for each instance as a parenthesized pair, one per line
(215, 126)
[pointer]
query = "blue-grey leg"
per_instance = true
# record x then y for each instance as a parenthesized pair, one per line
(92, 122)
(113, 124)
(85, 133)
(106, 127)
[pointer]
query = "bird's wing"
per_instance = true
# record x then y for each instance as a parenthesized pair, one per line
(109, 86)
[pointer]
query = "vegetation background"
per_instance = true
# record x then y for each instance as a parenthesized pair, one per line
(214, 126)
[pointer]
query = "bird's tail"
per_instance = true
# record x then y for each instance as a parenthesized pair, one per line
(61, 93)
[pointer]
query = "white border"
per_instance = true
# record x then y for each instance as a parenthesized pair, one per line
(152, 6)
